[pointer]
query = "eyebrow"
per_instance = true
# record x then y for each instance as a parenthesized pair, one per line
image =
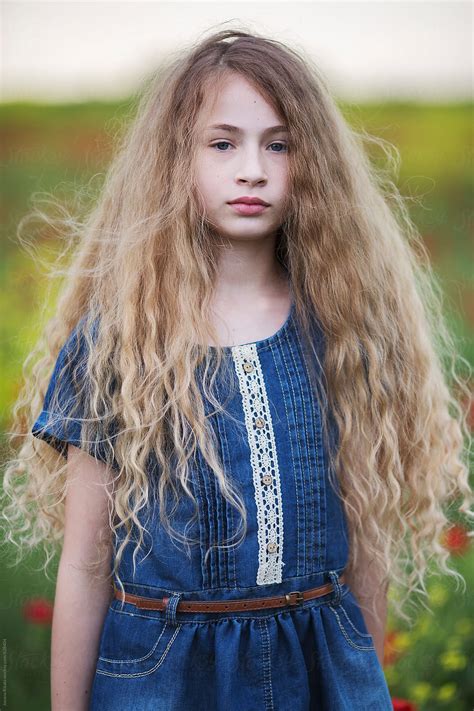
(235, 129)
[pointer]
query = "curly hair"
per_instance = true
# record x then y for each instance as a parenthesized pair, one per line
(355, 261)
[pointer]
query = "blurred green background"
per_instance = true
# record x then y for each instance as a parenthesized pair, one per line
(55, 148)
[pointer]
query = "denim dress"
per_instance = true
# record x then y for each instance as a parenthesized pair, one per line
(317, 654)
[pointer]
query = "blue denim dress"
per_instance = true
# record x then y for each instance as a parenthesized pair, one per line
(315, 655)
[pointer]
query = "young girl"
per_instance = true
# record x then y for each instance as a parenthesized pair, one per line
(246, 435)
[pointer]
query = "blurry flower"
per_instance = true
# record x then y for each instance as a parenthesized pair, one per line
(390, 651)
(438, 595)
(421, 691)
(403, 641)
(446, 692)
(38, 610)
(395, 644)
(455, 539)
(424, 626)
(403, 705)
(453, 660)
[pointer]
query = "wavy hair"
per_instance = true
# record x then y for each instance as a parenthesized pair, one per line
(355, 262)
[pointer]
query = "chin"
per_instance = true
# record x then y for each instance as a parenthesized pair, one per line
(248, 234)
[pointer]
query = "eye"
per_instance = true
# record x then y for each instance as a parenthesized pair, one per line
(220, 143)
(283, 146)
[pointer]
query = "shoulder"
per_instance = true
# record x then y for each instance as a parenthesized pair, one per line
(79, 338)
(71, 363)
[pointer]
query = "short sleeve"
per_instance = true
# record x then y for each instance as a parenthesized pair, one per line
(59, 422)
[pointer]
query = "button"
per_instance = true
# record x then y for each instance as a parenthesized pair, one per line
(272, 547)
(259, 422)
(248, 367)
(267, 479)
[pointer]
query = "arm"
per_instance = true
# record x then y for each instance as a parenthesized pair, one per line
(373, 590)
(80, 602)
(374, 627)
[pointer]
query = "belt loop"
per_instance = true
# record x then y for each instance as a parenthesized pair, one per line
(171, 605)
(337, 586)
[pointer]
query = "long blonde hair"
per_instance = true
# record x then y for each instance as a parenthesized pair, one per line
(137, 291)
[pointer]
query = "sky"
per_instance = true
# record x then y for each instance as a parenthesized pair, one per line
(72, 51)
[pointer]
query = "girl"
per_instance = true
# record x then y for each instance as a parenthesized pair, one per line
(246, 435)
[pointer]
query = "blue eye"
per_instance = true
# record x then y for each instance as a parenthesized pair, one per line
(226, 143)
(220, 143)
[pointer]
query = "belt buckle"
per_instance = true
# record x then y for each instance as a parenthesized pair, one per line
(292, 601)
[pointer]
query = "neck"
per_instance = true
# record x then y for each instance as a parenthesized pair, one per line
(249, 269)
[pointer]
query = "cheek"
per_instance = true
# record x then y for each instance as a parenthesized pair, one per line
(284, 173)
(284, 183)
(207, 196)
(210, 183)
(201, 177)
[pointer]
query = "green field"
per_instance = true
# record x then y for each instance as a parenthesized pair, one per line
(57, 149)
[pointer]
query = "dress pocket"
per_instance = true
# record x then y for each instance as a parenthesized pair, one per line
(134, 645)
(351, 623)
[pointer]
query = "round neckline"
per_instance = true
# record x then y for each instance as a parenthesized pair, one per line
(264, 341)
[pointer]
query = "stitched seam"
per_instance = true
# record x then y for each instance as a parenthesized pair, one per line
(311, 523)
(353, 644)
(361, 634)
(140, 659)
(266, 652)
(231, 552)
(247, 587)
(222, 505)
(298, 461)
(320, 466)
(150, 671)
(208, 490)
(290, 439)
(202, 528)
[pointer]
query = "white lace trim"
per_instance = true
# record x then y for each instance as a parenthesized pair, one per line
(264, 462)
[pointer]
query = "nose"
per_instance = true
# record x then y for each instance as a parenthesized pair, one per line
(250, 169)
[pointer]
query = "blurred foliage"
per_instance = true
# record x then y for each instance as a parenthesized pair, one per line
(431, 663)
(56, 148)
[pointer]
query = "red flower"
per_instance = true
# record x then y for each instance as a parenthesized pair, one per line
(403, 705)
(38, 611)
(390, 651)
(456, 540)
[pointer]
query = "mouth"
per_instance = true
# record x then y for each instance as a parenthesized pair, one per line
(245, 208)
(248, 201)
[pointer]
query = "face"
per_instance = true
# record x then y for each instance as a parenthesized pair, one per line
(247, 161)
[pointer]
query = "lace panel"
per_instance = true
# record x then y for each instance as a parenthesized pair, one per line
(263, 455)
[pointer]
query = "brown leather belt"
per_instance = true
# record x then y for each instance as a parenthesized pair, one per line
(291, 598)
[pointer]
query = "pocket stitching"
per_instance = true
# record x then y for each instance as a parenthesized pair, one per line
(140, 659)
(344, 632)
(149, 671)
(361, 634)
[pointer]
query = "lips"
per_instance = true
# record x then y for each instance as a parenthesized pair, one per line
(243, 208)
(249, 201)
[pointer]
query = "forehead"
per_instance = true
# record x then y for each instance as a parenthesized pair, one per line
(234, 101)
